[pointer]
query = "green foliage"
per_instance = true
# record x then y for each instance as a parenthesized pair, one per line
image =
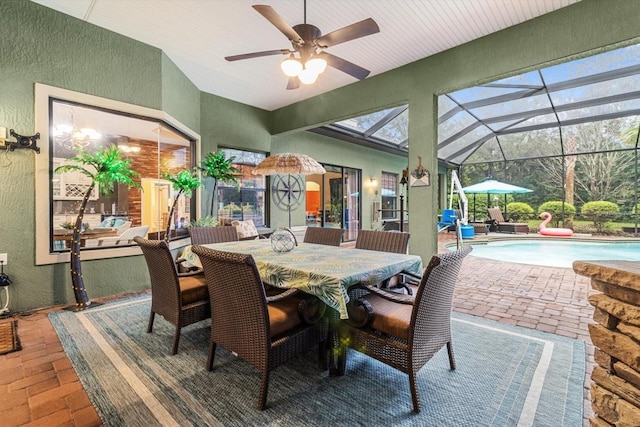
(519, 211)
(107, 167)
(555, 209)
(184, 181)
(205, 221)
(218, 167)
(600, 212)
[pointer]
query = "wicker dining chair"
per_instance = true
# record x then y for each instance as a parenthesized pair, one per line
(402, 331)
(206, 235)
(323, 236)
(263, 331)
(181, 298)
(386, 241)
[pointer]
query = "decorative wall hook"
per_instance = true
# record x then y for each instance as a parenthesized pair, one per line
(23, 142)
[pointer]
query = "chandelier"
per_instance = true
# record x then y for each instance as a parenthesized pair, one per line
(73, 138)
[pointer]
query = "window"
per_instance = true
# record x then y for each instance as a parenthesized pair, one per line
(388, 190)
(247, 199)
(154, 144)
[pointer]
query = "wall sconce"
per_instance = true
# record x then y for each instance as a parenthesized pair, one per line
(21, 141)
(372, 182)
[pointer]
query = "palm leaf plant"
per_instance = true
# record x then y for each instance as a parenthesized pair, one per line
(217, 166)
(185, 182)
(105, 167)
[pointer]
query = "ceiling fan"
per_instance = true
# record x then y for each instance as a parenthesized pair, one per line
(307, 59)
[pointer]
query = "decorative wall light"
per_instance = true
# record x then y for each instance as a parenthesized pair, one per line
(21, 141)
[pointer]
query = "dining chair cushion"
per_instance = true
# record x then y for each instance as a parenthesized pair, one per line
(246, 229)
(283, 316)
(193, 289)
(390, 317)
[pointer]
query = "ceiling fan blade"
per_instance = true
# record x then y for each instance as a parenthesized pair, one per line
(294, 83)
(272, 16)
(350, 32)
(345, 66)
(257, 54)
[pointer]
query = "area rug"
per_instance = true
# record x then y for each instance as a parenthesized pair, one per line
(9, 340)
(505, 376)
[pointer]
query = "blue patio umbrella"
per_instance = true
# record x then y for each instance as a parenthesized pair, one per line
(491, 186)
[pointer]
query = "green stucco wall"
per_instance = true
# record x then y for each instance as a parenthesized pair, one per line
(331, 151)
(41, 45)
(579, 29)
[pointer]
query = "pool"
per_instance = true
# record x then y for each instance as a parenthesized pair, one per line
(555, 253)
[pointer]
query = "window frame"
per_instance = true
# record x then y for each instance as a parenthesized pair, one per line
(43, 197)
(384, 178)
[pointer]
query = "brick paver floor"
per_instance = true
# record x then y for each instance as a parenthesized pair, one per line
(38, 386)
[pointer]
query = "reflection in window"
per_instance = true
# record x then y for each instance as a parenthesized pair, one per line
(388, 189)
(154, 149)
(246, 200)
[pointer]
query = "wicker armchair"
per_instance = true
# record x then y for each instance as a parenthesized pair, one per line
(402, 331)
(206, 235)
(323, 236)
(182, 299)
(386, 241)
(263, 331)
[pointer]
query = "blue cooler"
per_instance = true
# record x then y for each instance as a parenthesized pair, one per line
(467, 231)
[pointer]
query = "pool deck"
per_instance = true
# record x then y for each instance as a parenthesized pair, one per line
(548, 299)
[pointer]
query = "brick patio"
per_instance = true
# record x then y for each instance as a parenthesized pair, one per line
(38, 386)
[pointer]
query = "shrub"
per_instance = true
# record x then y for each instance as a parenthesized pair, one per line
(204, 221)
(518, 211)
(555, 209)
(600, 212)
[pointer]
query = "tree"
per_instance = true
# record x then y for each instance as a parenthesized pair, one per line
(218, 167)
(105, 168)
(185, 182)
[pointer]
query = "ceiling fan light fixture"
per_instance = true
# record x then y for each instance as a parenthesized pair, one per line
(317, 65)
(291, 66)
(307, 76)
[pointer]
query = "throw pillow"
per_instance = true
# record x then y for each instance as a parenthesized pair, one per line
(245, 229)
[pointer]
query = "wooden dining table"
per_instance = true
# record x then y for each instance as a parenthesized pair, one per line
(324, 271)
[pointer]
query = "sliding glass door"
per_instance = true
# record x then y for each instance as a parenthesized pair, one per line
(333, 200)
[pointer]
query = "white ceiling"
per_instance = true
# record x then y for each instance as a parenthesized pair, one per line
(198, 34)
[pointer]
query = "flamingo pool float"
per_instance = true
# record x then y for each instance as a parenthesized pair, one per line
(552, 231)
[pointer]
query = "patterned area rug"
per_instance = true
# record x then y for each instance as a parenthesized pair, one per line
(505, 376)
(9, 340)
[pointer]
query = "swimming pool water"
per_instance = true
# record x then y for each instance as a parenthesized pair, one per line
(553, 253)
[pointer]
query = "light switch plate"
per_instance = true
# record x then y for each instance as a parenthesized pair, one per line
(3, 259)
(3, 133)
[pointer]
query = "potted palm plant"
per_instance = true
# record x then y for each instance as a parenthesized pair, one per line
(185, 182)
(218, 167)
(105, 167)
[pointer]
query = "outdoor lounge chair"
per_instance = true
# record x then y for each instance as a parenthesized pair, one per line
(402, 331)
(502, 226)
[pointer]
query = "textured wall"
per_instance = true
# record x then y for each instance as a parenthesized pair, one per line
(329, 150)
(581, 28)
(41, 45)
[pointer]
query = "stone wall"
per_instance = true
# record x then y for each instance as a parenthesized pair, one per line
(615, 386)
